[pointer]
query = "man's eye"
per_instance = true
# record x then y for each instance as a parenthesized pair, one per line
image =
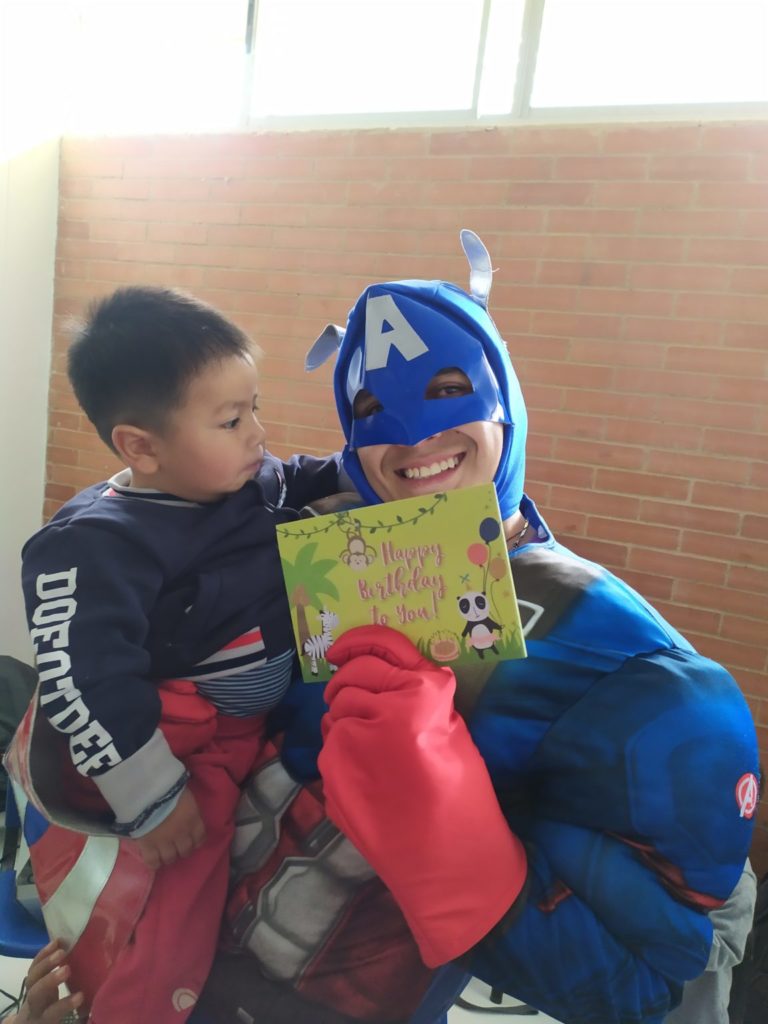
(231, 424)
(449, 383)
(447, 391)
(366, 404)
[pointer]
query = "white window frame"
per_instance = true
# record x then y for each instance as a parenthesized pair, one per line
(521, 111)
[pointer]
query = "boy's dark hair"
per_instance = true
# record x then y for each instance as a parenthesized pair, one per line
(133, 358)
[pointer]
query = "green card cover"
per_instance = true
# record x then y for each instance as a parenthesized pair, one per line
(434, 567)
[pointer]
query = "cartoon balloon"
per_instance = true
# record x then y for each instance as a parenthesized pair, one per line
(498, 568)
(477, 554)
(489, 530)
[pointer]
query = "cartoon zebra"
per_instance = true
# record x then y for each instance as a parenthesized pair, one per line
(316, 647)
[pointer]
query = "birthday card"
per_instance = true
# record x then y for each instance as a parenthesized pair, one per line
(434, 567)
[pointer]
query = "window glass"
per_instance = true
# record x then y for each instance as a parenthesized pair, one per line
(616, 52)
(154, 65)
(364, 56)
(500, 57)
(122, 66)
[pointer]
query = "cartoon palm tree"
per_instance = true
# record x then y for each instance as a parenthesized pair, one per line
(306, 581)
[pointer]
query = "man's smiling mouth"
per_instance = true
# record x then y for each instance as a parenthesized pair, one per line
(433, 469)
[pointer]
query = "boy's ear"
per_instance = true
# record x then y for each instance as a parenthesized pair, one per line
(136, 447)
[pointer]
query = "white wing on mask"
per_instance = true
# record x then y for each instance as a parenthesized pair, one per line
(480, 270)
(480, 281)
(327, 345)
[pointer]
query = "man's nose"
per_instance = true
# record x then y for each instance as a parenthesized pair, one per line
(431, 437)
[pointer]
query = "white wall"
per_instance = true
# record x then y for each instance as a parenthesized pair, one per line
(28, 210)
(31, 79)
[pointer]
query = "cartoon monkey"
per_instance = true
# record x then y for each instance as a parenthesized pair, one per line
(357, 555)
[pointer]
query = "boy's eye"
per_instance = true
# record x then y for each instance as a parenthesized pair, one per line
(231, 424)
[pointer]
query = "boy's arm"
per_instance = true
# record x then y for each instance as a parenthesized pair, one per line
(88, 593)
(176, 836)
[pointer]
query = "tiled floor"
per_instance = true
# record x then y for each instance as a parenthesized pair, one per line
(12, 972)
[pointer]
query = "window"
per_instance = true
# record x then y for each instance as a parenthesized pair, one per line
(154, 65)
(364, 56)
(651, 52)
(205, 65)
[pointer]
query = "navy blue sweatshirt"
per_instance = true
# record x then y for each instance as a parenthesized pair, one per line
(126, 587)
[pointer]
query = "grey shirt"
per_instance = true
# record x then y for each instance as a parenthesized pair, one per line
(705, 999)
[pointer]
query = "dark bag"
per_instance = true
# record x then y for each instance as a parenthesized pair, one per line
(749, 990)
(17, 684)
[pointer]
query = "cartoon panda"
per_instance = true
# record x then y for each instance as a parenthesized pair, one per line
(479, 630)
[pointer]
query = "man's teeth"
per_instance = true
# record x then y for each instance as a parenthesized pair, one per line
(419, 472)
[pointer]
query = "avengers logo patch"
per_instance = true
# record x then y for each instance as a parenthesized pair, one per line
(747, 795)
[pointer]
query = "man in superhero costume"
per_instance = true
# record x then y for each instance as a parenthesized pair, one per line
(624, 761)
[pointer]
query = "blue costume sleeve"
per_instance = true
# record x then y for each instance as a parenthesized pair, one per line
(620, 756)
(664, 770)
(308, 478)
(559, 956)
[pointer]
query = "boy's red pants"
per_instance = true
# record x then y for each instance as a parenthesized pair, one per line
(159, 974)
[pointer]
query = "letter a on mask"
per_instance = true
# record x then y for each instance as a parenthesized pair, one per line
(385, 328)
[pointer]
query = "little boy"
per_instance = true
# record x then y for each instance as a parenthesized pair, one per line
(168, 571)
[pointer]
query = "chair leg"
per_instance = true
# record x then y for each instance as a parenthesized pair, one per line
(14, 1002)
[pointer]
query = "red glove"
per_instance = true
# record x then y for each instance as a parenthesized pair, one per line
(405, 782)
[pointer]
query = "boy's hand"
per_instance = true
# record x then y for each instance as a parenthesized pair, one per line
(42, 1004)
(177, 836)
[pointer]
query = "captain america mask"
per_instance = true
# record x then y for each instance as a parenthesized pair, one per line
(398, 337)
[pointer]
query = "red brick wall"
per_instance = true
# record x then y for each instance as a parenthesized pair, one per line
(632, 287)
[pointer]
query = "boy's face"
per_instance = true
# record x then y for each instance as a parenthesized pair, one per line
(463, 456)
(213, 443)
